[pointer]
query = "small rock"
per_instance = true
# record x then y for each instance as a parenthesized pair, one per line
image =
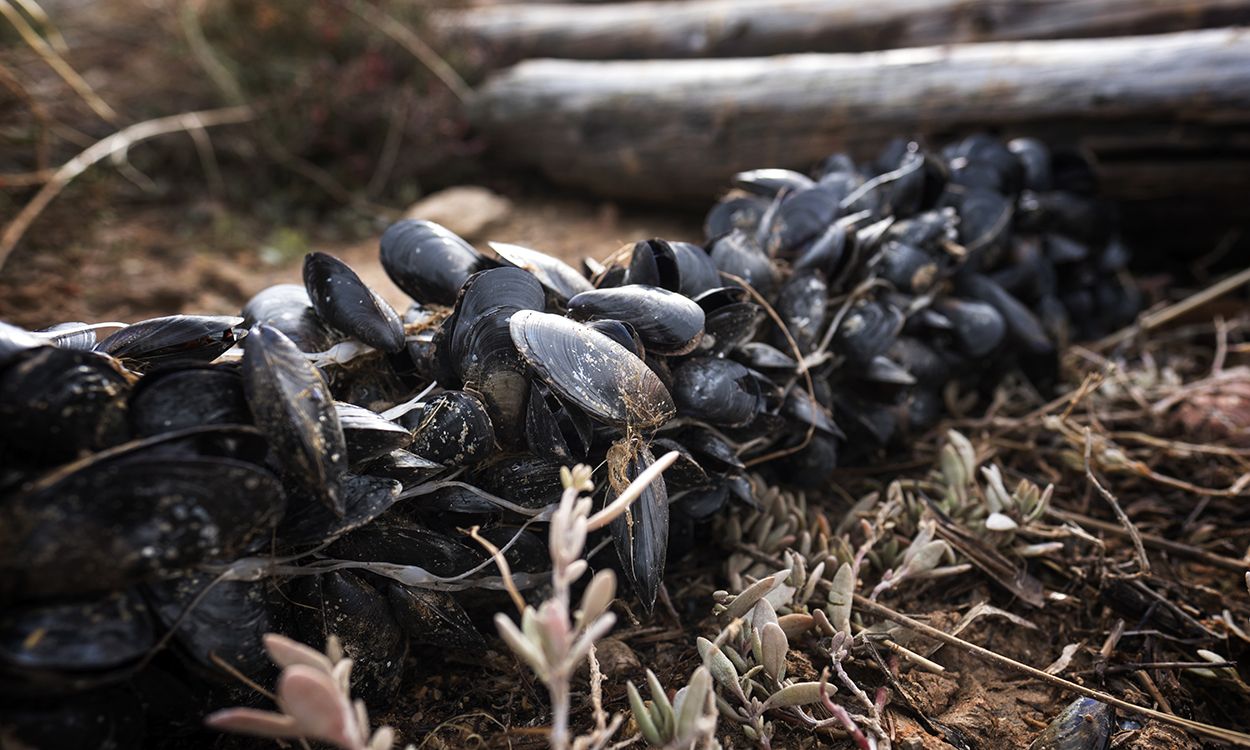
(616, 659)
(467, 210)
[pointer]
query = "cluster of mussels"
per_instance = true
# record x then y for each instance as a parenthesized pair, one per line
(173, 491)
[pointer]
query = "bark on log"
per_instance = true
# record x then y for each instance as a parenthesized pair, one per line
(749, 28)
(664, 130)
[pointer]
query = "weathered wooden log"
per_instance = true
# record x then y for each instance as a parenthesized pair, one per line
(749, 28)
(664, 130)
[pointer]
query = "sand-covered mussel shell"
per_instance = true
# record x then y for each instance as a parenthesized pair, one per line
(288, 308)
(455, 430)
(345, 303)
(640, 534)
(147, 513)
(174, 338)
(170, 400)
(667, 322)
(292, 405)
(591, 371)
(1085, 724)
(428, 261)
(432, 618)
(56, 404)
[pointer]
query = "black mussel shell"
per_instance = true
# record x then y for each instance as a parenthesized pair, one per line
(867, 331)
(1022, 324)
(810, 465)
(1085, 724)
(977, 328)
(667, 322)
(770, 182)
(455, 430)
(342, 603)
(432, 618)
(825, 252)
(428, 261)
(717, 391)
(480, 347)
(365, 497)
(622, 333)
(368, 435)
(85, 639)
(653, 263)
(736, 212)
(343, 301)
(176, 338)
(685, 473)
(56, 404)
(145, 514)
(591, 371)
(525, 480)
(730, 319)
(802, 305)
(1034, 158)
(918, 358)
(287, 308)
(711, 449)
(800, 407)
(176, 399)
(641, 533)
(292, 406)
(907, 267)
(108, 718)
(739, 254)
(223, 619)
(984, 218)
(553, 273)
(760, 356)
(395, 541)
(554, 429)
(801, 218)
(696, 270)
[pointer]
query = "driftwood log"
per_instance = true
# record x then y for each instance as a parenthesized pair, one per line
(1158, 106)
(749, 28)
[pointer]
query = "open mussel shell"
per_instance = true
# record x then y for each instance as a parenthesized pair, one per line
(717, 391)
(176, 399)
(368, 435)
(292, 406)
(667, 322)
(343, 301)
(554, 274)
(591, 371)
(176, 338)
(74, 643)
(641, 533)
(56, 404)
(1085, 724)
(343, 604)
(428, 261)
(287, 308)
(455, 430)
(146, 512)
